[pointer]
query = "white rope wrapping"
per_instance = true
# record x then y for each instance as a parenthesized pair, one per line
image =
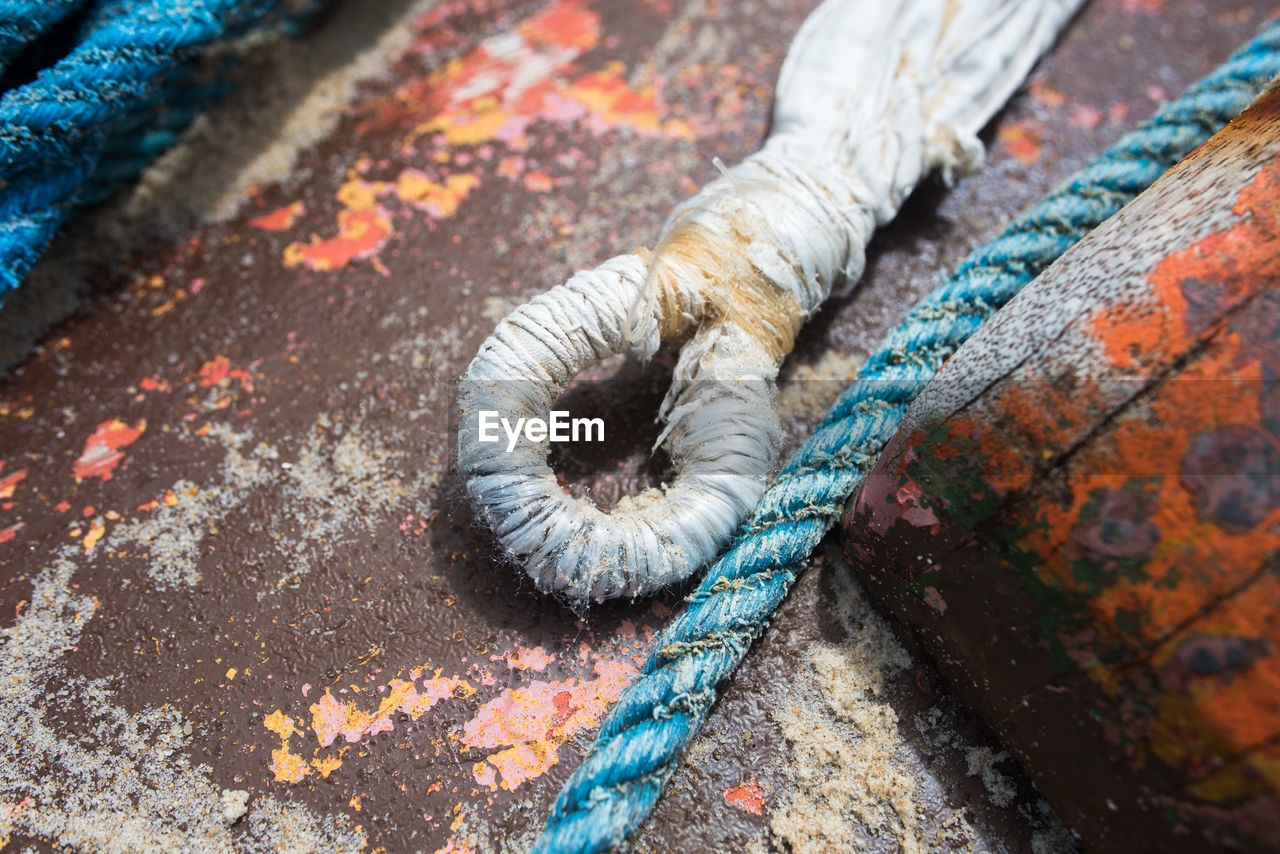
(873, 96)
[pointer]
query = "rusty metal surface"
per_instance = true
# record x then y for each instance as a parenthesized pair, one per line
(1101, 479)
(233, 558)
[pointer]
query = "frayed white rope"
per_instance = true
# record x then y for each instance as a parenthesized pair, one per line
(872, 97)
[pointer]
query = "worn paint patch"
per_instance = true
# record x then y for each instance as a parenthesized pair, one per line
(102, 450)
(747, 797)
(280, 219)
(1021, 139)
(525, 658)
(531, 722)
(495, 92)
(331, 717)
(492, 95)
(361, 233)
(10, 482)
(287, 766)
(97, 527)
(121, 781)
(440, 200)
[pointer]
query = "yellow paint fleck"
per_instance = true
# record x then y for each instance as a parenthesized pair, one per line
(286, 765)
(440, 200)
(481, 126)
(327, 765)
(231, 674)
(96, 529)
(358, 194)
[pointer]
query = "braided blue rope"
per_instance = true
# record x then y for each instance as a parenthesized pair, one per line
(24, 21)
(55, 131)
(620, 778)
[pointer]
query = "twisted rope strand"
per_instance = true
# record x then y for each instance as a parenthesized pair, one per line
(54, 130)
(620, 778)
(114, 68)
(24, 21)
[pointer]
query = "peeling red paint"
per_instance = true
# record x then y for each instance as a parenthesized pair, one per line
(361, 233)
(281, 218)
(155, 382)
(747, 797)
(214, 371)
(102, 450)
(9, 483)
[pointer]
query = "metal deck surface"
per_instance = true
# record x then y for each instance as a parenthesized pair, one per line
(235, 567)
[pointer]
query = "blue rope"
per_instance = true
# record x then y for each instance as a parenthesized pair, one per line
(623, 773)
(24, 21)
(71, 135)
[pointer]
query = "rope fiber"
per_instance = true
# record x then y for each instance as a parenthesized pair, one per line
(93, 120)
(623, 773)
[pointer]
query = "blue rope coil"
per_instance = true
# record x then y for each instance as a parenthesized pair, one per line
(623, 773)
(98, 116)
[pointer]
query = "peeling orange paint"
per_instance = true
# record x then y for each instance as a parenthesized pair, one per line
(287, 766)
(7, 534)
(530, 723)
(747, 797)
(96, 529)
(281, 218)
(565, 24)
(9, 483)
(331, 717)
(1022, 140)
(361, 233)
(326, 765)
(439, 200)
(102, 450)
(611, 102)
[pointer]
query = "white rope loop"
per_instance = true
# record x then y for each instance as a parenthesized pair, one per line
(873, 95)
(569, 545)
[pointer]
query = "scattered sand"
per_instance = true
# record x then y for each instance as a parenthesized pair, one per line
(172, 534)
(807, 390)
(982, 764)
(856, 782)
(122, 782)
(291, 93)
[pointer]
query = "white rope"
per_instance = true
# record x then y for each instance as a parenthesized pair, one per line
(873, 96)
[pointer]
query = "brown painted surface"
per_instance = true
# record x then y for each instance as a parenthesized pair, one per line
(232, 554)
(1079, 516)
